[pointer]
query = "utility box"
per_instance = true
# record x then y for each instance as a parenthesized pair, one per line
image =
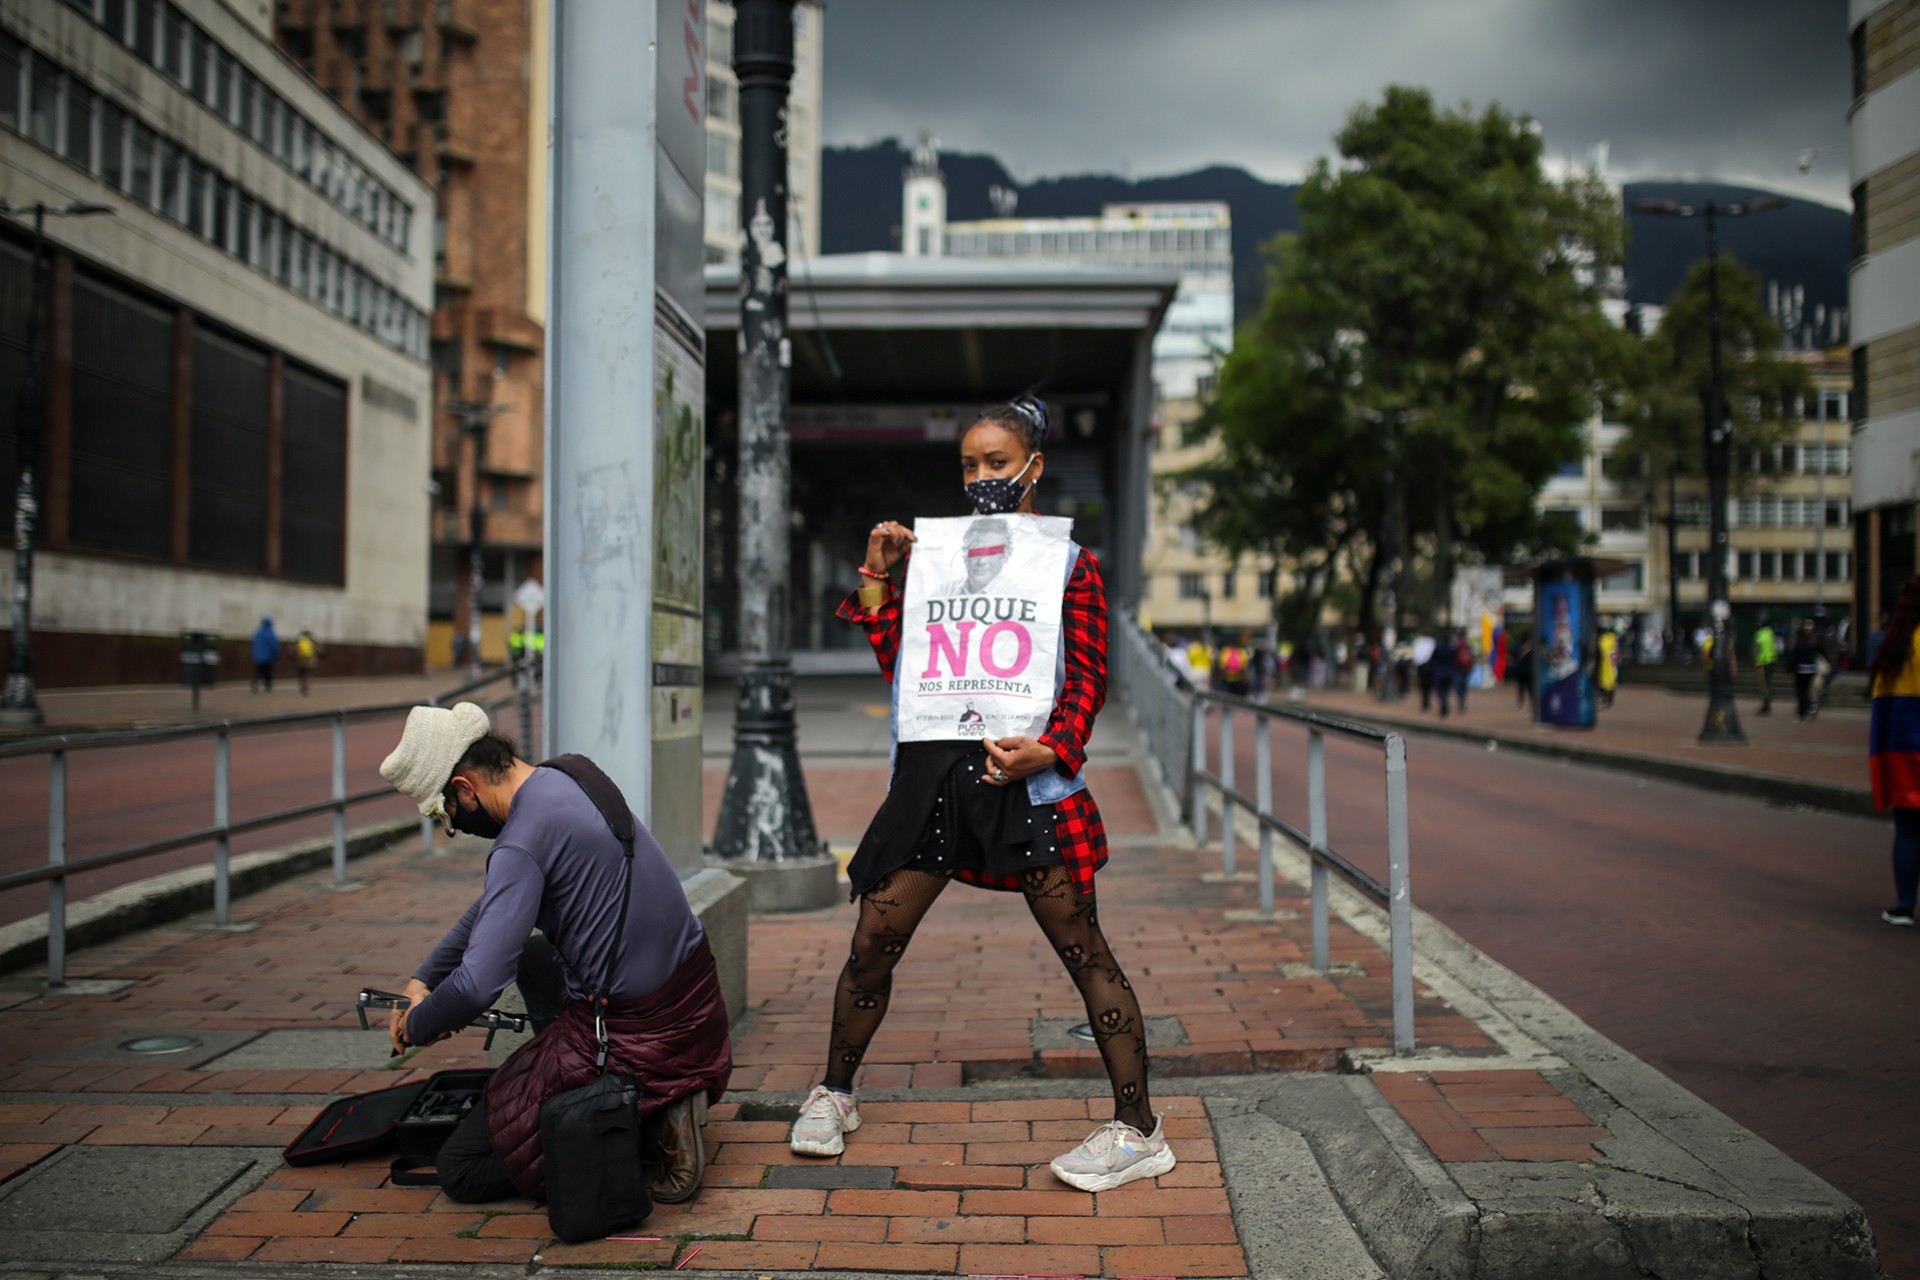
(1565, 630)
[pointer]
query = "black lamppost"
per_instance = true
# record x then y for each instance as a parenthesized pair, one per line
(473, 424)
(765, 816)
(19, 703)
(1723, 717)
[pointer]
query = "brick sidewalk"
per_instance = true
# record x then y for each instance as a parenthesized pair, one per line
(944, 1177)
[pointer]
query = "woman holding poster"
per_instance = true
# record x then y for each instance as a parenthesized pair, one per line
(996, 648)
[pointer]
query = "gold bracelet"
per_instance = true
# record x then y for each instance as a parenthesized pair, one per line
(873, 594)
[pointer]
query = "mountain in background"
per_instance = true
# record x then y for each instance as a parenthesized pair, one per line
(1805, 245)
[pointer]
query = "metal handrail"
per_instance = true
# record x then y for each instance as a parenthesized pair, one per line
(244, 724)
(524, 674)
(1135, 646)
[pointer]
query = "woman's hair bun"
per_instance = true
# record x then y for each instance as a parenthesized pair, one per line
(1033, 411)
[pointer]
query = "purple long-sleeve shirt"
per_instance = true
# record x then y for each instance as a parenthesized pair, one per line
(557, 867)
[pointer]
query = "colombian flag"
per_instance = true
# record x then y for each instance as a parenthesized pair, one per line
(1894, 740)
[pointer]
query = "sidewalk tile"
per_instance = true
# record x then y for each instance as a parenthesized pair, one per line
(819, 1228)
(1026, 1259)
(895, 1259)
(611, 1253)
(1141, 1230)
(220, 1248)
(957, 1229)
(454, 1249)
(749, 1255)
(279, 1224)
(297, 1249)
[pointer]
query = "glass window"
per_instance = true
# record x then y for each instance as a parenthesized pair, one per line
(1192, 586)
(243, 114)
(79, 134)
(223, 72)
(200, 67)
(200, 200)
(1743, 562)
(243, 228)
(230, 397)
(269, 119)
(1574, 469)
(1229, 585)
(43, 117)
(1836, 565)
(1622, 519)
(113, 146)
(313, 476)
(141, 161)
(1770, 565)
(121, 449)
(113, 16)
(12, 66)
(146, 30)
(176, 40)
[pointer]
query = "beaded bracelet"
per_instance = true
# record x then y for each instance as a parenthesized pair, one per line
(871, 574)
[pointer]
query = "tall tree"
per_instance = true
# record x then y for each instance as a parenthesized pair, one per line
(1441, 284)
(1666, 397)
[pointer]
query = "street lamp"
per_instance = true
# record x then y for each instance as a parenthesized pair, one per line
(473, 424)
(19, 703)
(1723, 718)
(1389, 552)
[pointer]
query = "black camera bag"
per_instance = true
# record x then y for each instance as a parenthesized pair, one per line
(444, 1102)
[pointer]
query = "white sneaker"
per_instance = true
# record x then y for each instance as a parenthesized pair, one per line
(825, 1117)
(1114, 1155)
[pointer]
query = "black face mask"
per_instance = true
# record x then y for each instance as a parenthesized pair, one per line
(474, 822)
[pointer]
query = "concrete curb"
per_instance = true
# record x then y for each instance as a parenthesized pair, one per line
(159, 899)
(1776, 787)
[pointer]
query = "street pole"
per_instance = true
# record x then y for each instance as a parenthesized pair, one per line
(765, 815)
(473, 425)
(1723, 717)
(1389, 555)
(1670, 651)
(19, 700)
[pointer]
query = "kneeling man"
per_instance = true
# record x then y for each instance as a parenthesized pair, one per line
(557, 866)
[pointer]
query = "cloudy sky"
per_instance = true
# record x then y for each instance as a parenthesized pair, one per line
(1729, 89)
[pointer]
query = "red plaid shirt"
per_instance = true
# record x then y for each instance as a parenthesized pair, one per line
(1081, 834)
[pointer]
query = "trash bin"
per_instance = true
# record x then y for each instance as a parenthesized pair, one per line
(199, 661)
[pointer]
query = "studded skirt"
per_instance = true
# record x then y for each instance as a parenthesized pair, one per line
(940, 818)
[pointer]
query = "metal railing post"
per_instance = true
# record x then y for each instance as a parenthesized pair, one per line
(222, 844)
(1399, 894)
(340, 799)
(1317, 834)
(1263, 793)
(1226, 778)
(1196, 797)
(57, 856)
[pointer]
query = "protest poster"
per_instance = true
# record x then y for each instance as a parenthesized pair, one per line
(980, 627)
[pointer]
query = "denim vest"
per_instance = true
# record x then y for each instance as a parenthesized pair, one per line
(1047, 786)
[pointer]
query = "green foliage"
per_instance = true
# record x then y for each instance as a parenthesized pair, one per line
(1441, 281)
(1666, 402)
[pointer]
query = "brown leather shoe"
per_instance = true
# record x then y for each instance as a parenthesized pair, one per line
(678, 1149)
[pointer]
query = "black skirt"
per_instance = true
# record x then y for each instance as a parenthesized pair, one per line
(941, 819)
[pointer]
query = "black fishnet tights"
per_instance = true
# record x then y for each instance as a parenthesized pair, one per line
(893, 909)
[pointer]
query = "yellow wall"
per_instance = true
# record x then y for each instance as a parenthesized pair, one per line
(493, 640)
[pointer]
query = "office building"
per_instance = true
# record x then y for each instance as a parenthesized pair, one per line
(237, 394)
(1884, 156)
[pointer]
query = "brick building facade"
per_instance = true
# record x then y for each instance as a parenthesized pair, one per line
(457, 88)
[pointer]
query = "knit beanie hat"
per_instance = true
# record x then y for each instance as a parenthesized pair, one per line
(432, 743)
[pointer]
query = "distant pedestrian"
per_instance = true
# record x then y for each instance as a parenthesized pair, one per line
(1607, 672)
(1893, 746)
(1445, 665)
(1874, 637)
(1766, 652)
(1521, 670)
(1234, 660)
(266, 652)
(1423, 647)
(306, 656)
(1804, 658)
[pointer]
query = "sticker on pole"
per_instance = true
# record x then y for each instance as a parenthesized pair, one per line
(980, 627)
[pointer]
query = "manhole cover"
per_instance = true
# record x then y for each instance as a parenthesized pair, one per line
(160, 1044)
(1163, 1030)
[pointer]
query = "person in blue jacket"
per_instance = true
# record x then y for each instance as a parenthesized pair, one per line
(266, 651)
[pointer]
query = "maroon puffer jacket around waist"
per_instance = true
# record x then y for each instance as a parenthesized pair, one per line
(674, 1042)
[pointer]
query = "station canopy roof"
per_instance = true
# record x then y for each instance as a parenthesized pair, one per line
(899, 329)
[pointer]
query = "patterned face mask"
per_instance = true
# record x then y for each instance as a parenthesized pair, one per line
(999, 495)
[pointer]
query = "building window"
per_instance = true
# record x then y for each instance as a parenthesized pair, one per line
(1769, 568)
(1563, 517)
(1573, 469)
(1623, 519)
(228, 525)
(1229, 585)
(1269, 583)
(1833, 406)
(1744, 562)
(313, 477)
(1633, 578)
(1837, 566)
(1859, 398)
(1193, 586)
(122, 422)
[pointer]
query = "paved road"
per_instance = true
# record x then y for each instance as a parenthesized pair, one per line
(1734, 945)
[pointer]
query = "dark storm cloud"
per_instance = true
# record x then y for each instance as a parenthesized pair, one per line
(1732, 89)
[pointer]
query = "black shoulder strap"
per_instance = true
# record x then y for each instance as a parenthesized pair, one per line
(607, 798)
